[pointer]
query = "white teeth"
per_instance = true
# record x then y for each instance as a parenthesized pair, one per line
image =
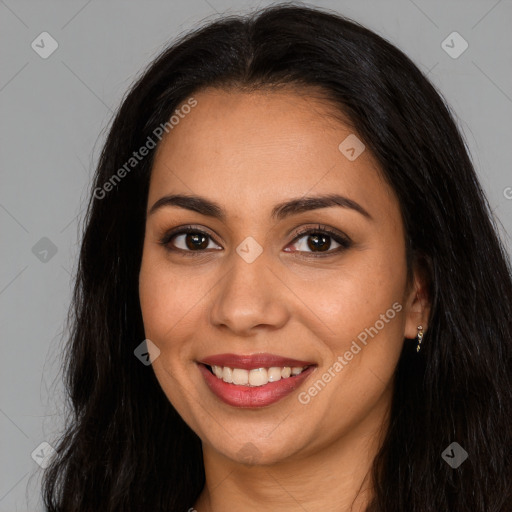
(256, 376)
(274, 374)
(286, 372)
(227, 374)
(240, 377)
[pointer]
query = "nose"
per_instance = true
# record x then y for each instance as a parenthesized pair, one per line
(249, 298)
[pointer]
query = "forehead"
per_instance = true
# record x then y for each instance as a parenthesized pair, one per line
(250, 149)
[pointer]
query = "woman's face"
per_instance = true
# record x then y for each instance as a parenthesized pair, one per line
(247, 281)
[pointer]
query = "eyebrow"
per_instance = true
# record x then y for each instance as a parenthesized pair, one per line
(280, 211)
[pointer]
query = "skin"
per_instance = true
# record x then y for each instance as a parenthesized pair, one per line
(248, 152)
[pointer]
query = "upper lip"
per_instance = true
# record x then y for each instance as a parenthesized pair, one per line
(250, 362)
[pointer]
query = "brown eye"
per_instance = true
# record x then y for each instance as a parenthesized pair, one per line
(196, 241)
(188, 240)
(316, 242)
(319, 242)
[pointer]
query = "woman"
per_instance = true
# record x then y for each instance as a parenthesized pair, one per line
(291, 294)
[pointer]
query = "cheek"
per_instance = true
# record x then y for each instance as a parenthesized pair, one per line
(354, 297)
(154, 298)
(167, 304)
(163, 298)
(364, 341)
(174, 308)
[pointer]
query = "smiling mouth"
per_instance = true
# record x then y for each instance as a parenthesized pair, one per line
(255, 377)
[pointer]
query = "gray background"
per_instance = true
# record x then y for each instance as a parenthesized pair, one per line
(54, 113)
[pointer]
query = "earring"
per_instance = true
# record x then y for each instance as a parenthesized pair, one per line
(419, 337)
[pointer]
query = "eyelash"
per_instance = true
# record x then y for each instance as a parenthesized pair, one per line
(320, 229)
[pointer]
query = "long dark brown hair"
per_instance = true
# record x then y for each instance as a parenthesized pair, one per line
(126, 449)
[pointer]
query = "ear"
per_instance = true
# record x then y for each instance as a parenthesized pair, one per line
(418, 301)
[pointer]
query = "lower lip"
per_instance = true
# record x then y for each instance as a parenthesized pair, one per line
(256, 396)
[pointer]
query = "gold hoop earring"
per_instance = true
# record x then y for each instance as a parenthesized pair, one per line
(419, 337)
